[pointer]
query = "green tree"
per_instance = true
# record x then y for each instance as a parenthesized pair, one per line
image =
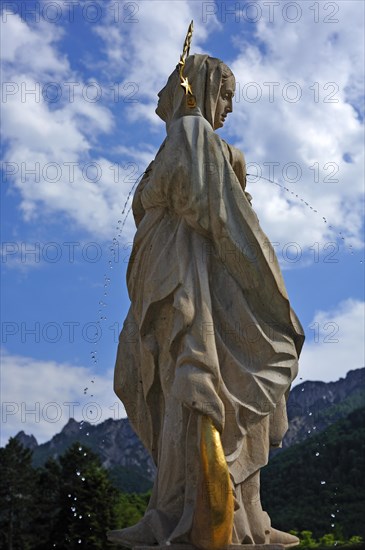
(327, 540)
(307, 540)
(86, 503)
(130, 508)
(17, 496)
(356, 540)
(47, 504)
(324, 470)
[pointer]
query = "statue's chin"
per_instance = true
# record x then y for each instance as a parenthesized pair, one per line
(160, 112)
(218, 124)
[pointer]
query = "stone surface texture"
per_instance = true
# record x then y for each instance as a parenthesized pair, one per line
(210, 331)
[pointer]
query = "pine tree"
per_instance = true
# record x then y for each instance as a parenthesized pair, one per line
(48, 504)
(17, 496)
(87, 502)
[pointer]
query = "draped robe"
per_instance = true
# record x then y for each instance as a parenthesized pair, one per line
(210, 329)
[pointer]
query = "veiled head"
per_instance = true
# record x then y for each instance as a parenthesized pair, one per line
(213, 85)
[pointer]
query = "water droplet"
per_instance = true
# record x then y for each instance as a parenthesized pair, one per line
(83, 479)
(87, 433)
(317, 454)
(333, 515)
(310, 414)
(78, 473)
(80, 448)
(323, 483)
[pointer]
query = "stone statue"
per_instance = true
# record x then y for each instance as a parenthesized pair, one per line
(210, 344)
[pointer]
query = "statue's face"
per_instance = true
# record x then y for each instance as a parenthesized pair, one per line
(224, 104)
(164, 101)
(160, 93)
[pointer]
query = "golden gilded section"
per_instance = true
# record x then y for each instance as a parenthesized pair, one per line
(184, 82)
(213, 518)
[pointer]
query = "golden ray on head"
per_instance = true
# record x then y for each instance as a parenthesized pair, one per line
(184, 81)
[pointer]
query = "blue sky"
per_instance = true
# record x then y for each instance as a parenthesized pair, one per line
(80, 83)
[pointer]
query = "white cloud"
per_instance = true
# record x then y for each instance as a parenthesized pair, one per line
(334, 343)
(39, 397)
(147, 50)
(49, 156)
(59, 140)
(316, 136)
(23, 45)
(322, 62)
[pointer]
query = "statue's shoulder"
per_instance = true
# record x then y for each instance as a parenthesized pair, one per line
(235, 154)
(193, 131)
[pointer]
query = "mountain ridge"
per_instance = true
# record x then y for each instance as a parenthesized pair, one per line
(312, 407)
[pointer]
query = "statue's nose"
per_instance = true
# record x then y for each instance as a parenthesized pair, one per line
(160, 92)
